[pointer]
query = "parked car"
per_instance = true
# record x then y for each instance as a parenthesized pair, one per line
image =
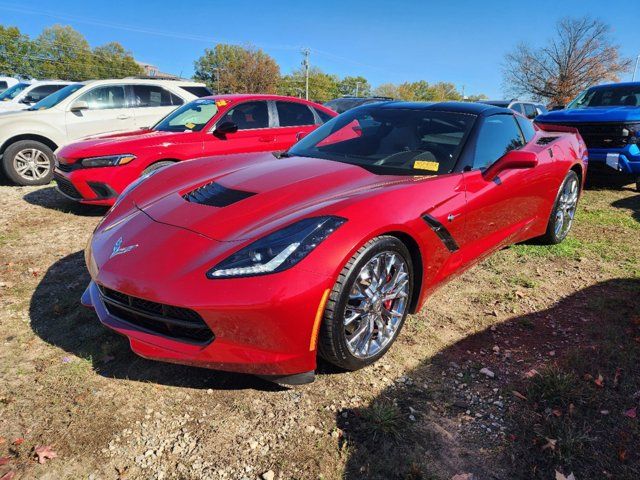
(97, 170)
(345, 103)
(28, 138)
(6, 82)
(255, 264)
(529, 109)
(608, 118)
(24, 95)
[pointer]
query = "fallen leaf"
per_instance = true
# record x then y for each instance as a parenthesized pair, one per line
(557, 413)
(551, 444)
(4, 460)
(616, 377)
(18, 441)
(8, 475)
(518, 395)
(631, 413)
(531, 373)
(463, 476)
(560, 476)
(599, 381)
(622, 455)
(572, 409)
(45, 453)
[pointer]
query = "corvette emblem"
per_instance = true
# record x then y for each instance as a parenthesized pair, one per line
(118, 249)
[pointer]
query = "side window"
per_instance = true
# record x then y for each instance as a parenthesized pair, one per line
(42, 91)
(324, 116)
(498, 135)
(530, 111)
(517, 107)
(248, 116)
(3, 85)
(292, 114)
(109, 96)
(527, 128)
(153, 96)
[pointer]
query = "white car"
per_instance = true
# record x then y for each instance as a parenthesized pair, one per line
(29, 137)
(6, 82)
(23, 95)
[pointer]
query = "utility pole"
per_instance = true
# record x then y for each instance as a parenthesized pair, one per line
(218, 70)
(633, 79)
(357, 88)
(305, 64)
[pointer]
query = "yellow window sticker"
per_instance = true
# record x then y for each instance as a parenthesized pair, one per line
(190, 125)
(221, 103)
(424, 165)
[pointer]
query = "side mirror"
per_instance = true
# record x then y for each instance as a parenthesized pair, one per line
(79, 106)
(300, 135)
(515, 159)
(557, 107)
(28, 100)
(225, 128)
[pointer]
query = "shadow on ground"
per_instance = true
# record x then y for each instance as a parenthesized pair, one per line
(50, 198)
(428, 426)
(629, 203)
(58, 318)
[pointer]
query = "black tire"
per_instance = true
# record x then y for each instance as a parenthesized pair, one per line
(26, 148)
(551, 236)
(638, 184)
(332, 342)
(157, 165)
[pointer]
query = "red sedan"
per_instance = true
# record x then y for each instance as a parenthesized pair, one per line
(96, 170)
(256, 264)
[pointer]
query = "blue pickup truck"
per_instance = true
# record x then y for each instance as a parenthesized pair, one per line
(608, 118)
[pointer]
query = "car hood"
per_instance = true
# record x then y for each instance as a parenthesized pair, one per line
(116, 143)
(258, 195)
(591, 115)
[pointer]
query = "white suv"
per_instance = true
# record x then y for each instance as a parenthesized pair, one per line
(29, 137)
(6, 82)
(23, 95)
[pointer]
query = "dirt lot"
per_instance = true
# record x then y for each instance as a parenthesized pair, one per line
(524, 366)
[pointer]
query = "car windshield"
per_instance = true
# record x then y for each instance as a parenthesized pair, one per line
(611, 96)
(12, 92)
(191, 117)
(394, 141)
(55, 98)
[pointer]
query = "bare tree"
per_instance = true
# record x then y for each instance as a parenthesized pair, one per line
(580, 55)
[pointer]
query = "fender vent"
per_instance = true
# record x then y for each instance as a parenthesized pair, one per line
(215, 195)
(545, 140)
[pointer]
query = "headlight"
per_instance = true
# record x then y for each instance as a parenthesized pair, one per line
(108, 161)
(279, 250)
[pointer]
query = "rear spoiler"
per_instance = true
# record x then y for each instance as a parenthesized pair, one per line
(550, 127)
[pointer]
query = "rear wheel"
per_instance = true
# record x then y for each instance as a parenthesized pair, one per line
(564, 210)
(157, 165)
(28, 162)
(368, 304)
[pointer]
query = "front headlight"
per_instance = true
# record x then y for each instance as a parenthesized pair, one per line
(108, 161)
(279, 250)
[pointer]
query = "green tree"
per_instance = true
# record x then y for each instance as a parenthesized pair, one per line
(322, 86)
(415, 91)
(354, 86)
(18, 53)
(235, 69)
(113, 61)
(387, 90)
(64, 53)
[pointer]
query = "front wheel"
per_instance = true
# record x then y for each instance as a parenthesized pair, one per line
(368, 304)
(28, 162)
(564, 210)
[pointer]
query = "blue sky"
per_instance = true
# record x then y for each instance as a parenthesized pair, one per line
(460, 41)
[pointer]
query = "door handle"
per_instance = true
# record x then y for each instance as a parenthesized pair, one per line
(451, 217)
(123, 117)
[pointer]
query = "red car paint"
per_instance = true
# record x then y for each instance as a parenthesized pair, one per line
(151, 146)
(267, 324)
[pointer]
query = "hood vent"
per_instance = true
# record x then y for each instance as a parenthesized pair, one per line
(215, 195)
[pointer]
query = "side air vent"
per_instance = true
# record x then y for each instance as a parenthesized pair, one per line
(215, 195)
(545, 140)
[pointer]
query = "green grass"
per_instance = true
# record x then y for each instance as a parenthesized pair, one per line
(383, 419)
(570, 248)
(607, 218)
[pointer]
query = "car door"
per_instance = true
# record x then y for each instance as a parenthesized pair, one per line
(40, 92)
(294, 120)
(108, 111)
(255, 130)
(500, 210)
(151, 103)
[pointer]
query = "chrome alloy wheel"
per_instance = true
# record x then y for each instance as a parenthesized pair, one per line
(31, 164)
(376, 305)
(566, 209)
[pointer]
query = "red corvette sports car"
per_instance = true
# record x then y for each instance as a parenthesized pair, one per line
(257, 264)
(94, 171)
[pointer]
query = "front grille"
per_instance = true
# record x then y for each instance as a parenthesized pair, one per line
(66, 187)
(606, 135)
(215, 195)
(175, 322)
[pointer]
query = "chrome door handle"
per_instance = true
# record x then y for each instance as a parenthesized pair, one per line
(452, 217)
(123, 117)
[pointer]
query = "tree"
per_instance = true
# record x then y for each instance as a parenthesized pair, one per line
(63, 53)
(235, 69)
(580, 55)
(113, 61)
(354, 86)
(17, 53)
(387, 90)
(322, 86)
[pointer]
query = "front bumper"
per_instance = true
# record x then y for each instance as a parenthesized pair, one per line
(95, 186)
(261, 325)
(628, 158)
